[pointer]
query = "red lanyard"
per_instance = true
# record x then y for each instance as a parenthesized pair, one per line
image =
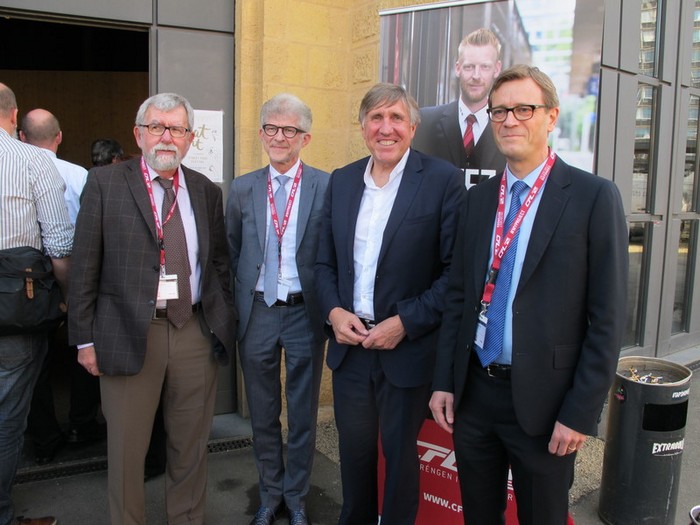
(156, 217)
(501, 244)
(280, 229)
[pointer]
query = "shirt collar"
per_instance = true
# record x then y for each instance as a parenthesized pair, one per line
(529, 179)
(291, 172)
(396, 172)
(481, 116)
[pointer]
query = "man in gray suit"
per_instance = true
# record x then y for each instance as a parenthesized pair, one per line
(151, 309)
(272, 221)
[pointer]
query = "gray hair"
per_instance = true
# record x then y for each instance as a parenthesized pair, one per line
(165, 102)
(384, 94)
(8, 102)
(287, 104)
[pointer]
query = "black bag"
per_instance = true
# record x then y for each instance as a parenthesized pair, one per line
(30, 298)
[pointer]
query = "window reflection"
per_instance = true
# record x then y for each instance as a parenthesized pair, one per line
(638, 237)
(648, 38)
(643, 147)
(691, 163)
(681, 297)
(695, 61)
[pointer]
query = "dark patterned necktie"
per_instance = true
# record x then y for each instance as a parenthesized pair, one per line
(496, 314)
(468, 138)
(176, 258)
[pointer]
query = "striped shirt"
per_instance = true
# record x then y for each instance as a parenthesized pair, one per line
(32, 209)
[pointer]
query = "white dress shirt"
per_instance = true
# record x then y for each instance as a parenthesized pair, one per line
(372, 217)
(482, 119)
(288, 270)
(75, 177)
(188, 222)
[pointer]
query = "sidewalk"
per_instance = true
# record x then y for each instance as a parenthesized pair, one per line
(232, 490)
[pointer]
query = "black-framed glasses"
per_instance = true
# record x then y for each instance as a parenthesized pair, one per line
(521, 112)
(288, 131)
(176, 132)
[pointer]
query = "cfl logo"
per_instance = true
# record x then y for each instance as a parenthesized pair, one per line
(434, 452)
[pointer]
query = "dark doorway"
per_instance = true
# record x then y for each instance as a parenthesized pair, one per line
(91, 77)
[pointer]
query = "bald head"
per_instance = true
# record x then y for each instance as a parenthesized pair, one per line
(8, 109)
(40, 128)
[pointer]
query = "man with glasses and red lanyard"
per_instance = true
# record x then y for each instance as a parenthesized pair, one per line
(151, 310)
(534, 314)
(272, 221)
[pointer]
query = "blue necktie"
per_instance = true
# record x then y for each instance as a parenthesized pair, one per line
(272, 252)
(496, 314)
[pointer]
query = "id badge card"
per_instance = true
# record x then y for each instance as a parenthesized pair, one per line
(481, 331)
(283, 289)
(167, 287)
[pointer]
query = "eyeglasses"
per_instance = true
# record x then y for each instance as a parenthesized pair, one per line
(522, 112)
(176, 132)
(288, 131)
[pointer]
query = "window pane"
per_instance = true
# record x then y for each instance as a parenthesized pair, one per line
(695, 64)
(643, 147)
(681, 296)
(648, 37)
(690, 168)
(639, 237)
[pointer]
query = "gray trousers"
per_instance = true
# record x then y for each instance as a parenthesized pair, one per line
(270, 330)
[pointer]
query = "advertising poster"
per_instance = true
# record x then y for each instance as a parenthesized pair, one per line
(206, 154)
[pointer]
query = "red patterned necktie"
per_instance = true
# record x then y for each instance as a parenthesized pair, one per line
(468, 138)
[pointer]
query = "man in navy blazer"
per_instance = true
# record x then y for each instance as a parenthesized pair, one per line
(442, 128)
(531, 405)
(292, 320)
(384, 255)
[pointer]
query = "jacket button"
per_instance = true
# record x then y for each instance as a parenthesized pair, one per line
(156, 269)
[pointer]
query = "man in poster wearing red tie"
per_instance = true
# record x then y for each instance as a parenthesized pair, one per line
(534, 314)
(460, 132)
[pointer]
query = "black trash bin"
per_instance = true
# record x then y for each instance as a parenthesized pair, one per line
(644, 442)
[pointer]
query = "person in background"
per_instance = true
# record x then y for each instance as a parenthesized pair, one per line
(151, 309)
(389, 224)
(106, 151)
(31, 194)
(460, 132)
(272, 221)
(534, 315)
(42, 129)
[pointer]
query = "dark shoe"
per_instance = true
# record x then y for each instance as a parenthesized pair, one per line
(43, 456)
(298, 517)
(88, 433)
(265, 515)
(47, 520)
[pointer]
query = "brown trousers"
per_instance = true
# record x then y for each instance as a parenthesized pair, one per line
(179, 364)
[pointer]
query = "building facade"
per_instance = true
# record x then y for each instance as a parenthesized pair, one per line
(233, 55)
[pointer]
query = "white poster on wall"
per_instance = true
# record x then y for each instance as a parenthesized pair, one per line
(206, 153)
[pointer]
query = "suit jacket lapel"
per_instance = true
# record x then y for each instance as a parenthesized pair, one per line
(554, 199)
(134, 180)
(410, 182)
(488, 204)
(306, 199)
(450, 126)
(260, 205)
(354, 199)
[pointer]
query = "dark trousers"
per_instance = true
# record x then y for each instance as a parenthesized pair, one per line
(367, 405)
(487, 439)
